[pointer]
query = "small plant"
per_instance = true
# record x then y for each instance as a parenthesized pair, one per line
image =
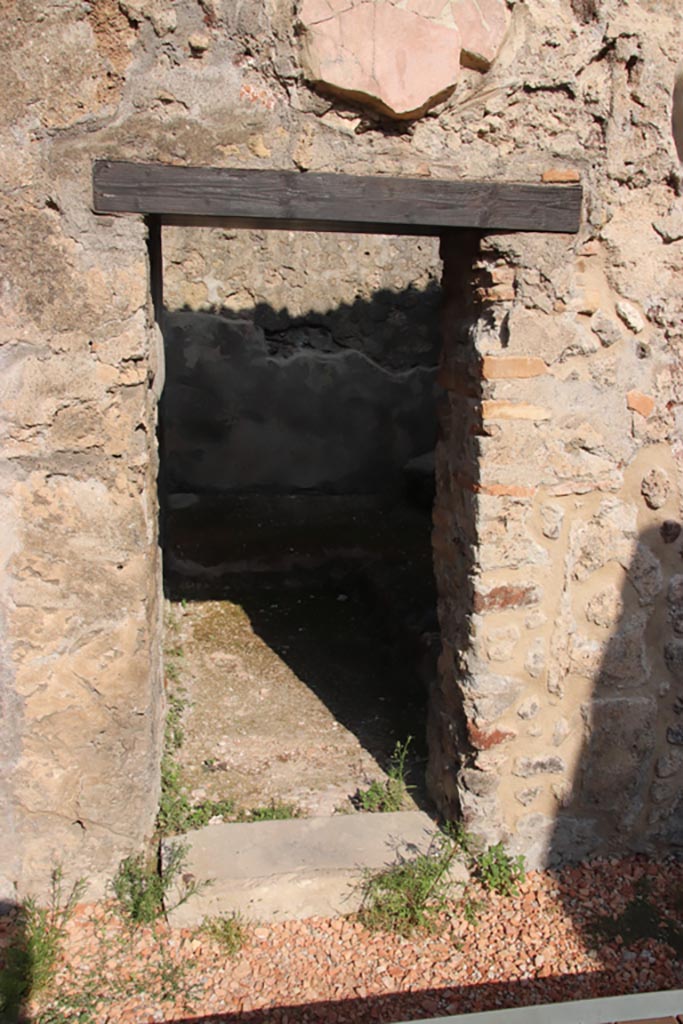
(32, 959)
(411, 895)
(274, 811)
(499, 871)
(390, 795)
(143, 890)
(173, 736)
(471, 908)
(230, 933)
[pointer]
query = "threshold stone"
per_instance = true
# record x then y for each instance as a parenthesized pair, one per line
(297, 868)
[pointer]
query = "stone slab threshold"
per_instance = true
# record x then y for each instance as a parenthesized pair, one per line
(297, 868)
(643, 1008)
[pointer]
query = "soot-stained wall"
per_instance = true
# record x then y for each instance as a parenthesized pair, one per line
(304, 361)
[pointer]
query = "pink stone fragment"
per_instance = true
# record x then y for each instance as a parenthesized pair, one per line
(320, 10)
(482, 24)
(395, 60)
(428, 8)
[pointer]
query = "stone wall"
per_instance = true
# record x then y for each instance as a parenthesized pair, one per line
(558, 512)
(560, 506)
(315, 356)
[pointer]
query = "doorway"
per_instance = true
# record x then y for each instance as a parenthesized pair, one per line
(297, 431)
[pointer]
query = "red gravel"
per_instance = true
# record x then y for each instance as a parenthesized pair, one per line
(536, 947)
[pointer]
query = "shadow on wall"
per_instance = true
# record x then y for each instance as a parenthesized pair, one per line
(17, 970)
(257, 401)
(627, 789)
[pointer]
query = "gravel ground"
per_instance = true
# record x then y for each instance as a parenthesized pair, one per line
(538, 946)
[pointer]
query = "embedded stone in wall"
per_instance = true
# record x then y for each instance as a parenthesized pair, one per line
(482, 24)
(605, 608)
(655, 488)
(395, 60)
(400, 59)
(552, 517)
(674, 600)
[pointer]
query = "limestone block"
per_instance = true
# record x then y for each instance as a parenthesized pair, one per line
(671, 227)
(534, 837)
(677, 112)
(489, 696)
(535, 660)
(674, 735)
(528, 795)
(501, 642)
(559, 649)
(674, 601)
(573, 838)
(552, 517)
(528, 708)
(547, 764)
(624, 661)
(606, 607)
(396, 60)
(608, 536)
(655, 488)
(669, 763)
(585, 656)
(560, 731)
(631, 316)
(505, 541)
(551, 338)
(645, 573)
(606, 328)
(673, 656)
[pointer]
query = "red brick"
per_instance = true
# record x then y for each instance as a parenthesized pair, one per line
(512, 367)
(483, 740)
(561, 176)
(638, 402)
(505, 596)
(502, 410)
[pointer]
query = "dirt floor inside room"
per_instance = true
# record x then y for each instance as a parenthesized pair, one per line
(299, 680)
(297, 437)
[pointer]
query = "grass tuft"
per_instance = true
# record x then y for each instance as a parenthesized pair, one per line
(412, 895)
(145, 893)
(390, 794)
(230, 932)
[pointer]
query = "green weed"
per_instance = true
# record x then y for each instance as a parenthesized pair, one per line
(176, 814)
(471, 908)
(499, 871)
(145, 892)
(412, 895)
(389, 795)
(230, 933)
(274, 811)
(111, 977)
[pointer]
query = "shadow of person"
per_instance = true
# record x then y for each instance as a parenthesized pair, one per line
(16, 968)
(626, 796)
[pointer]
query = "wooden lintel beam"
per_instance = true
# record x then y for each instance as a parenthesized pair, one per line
(292, 200)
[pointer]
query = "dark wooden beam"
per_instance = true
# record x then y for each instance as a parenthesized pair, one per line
(330, 202)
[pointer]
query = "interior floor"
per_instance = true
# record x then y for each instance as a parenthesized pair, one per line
(305, 636)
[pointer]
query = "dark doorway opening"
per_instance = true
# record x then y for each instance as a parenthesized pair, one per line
(296, 486)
